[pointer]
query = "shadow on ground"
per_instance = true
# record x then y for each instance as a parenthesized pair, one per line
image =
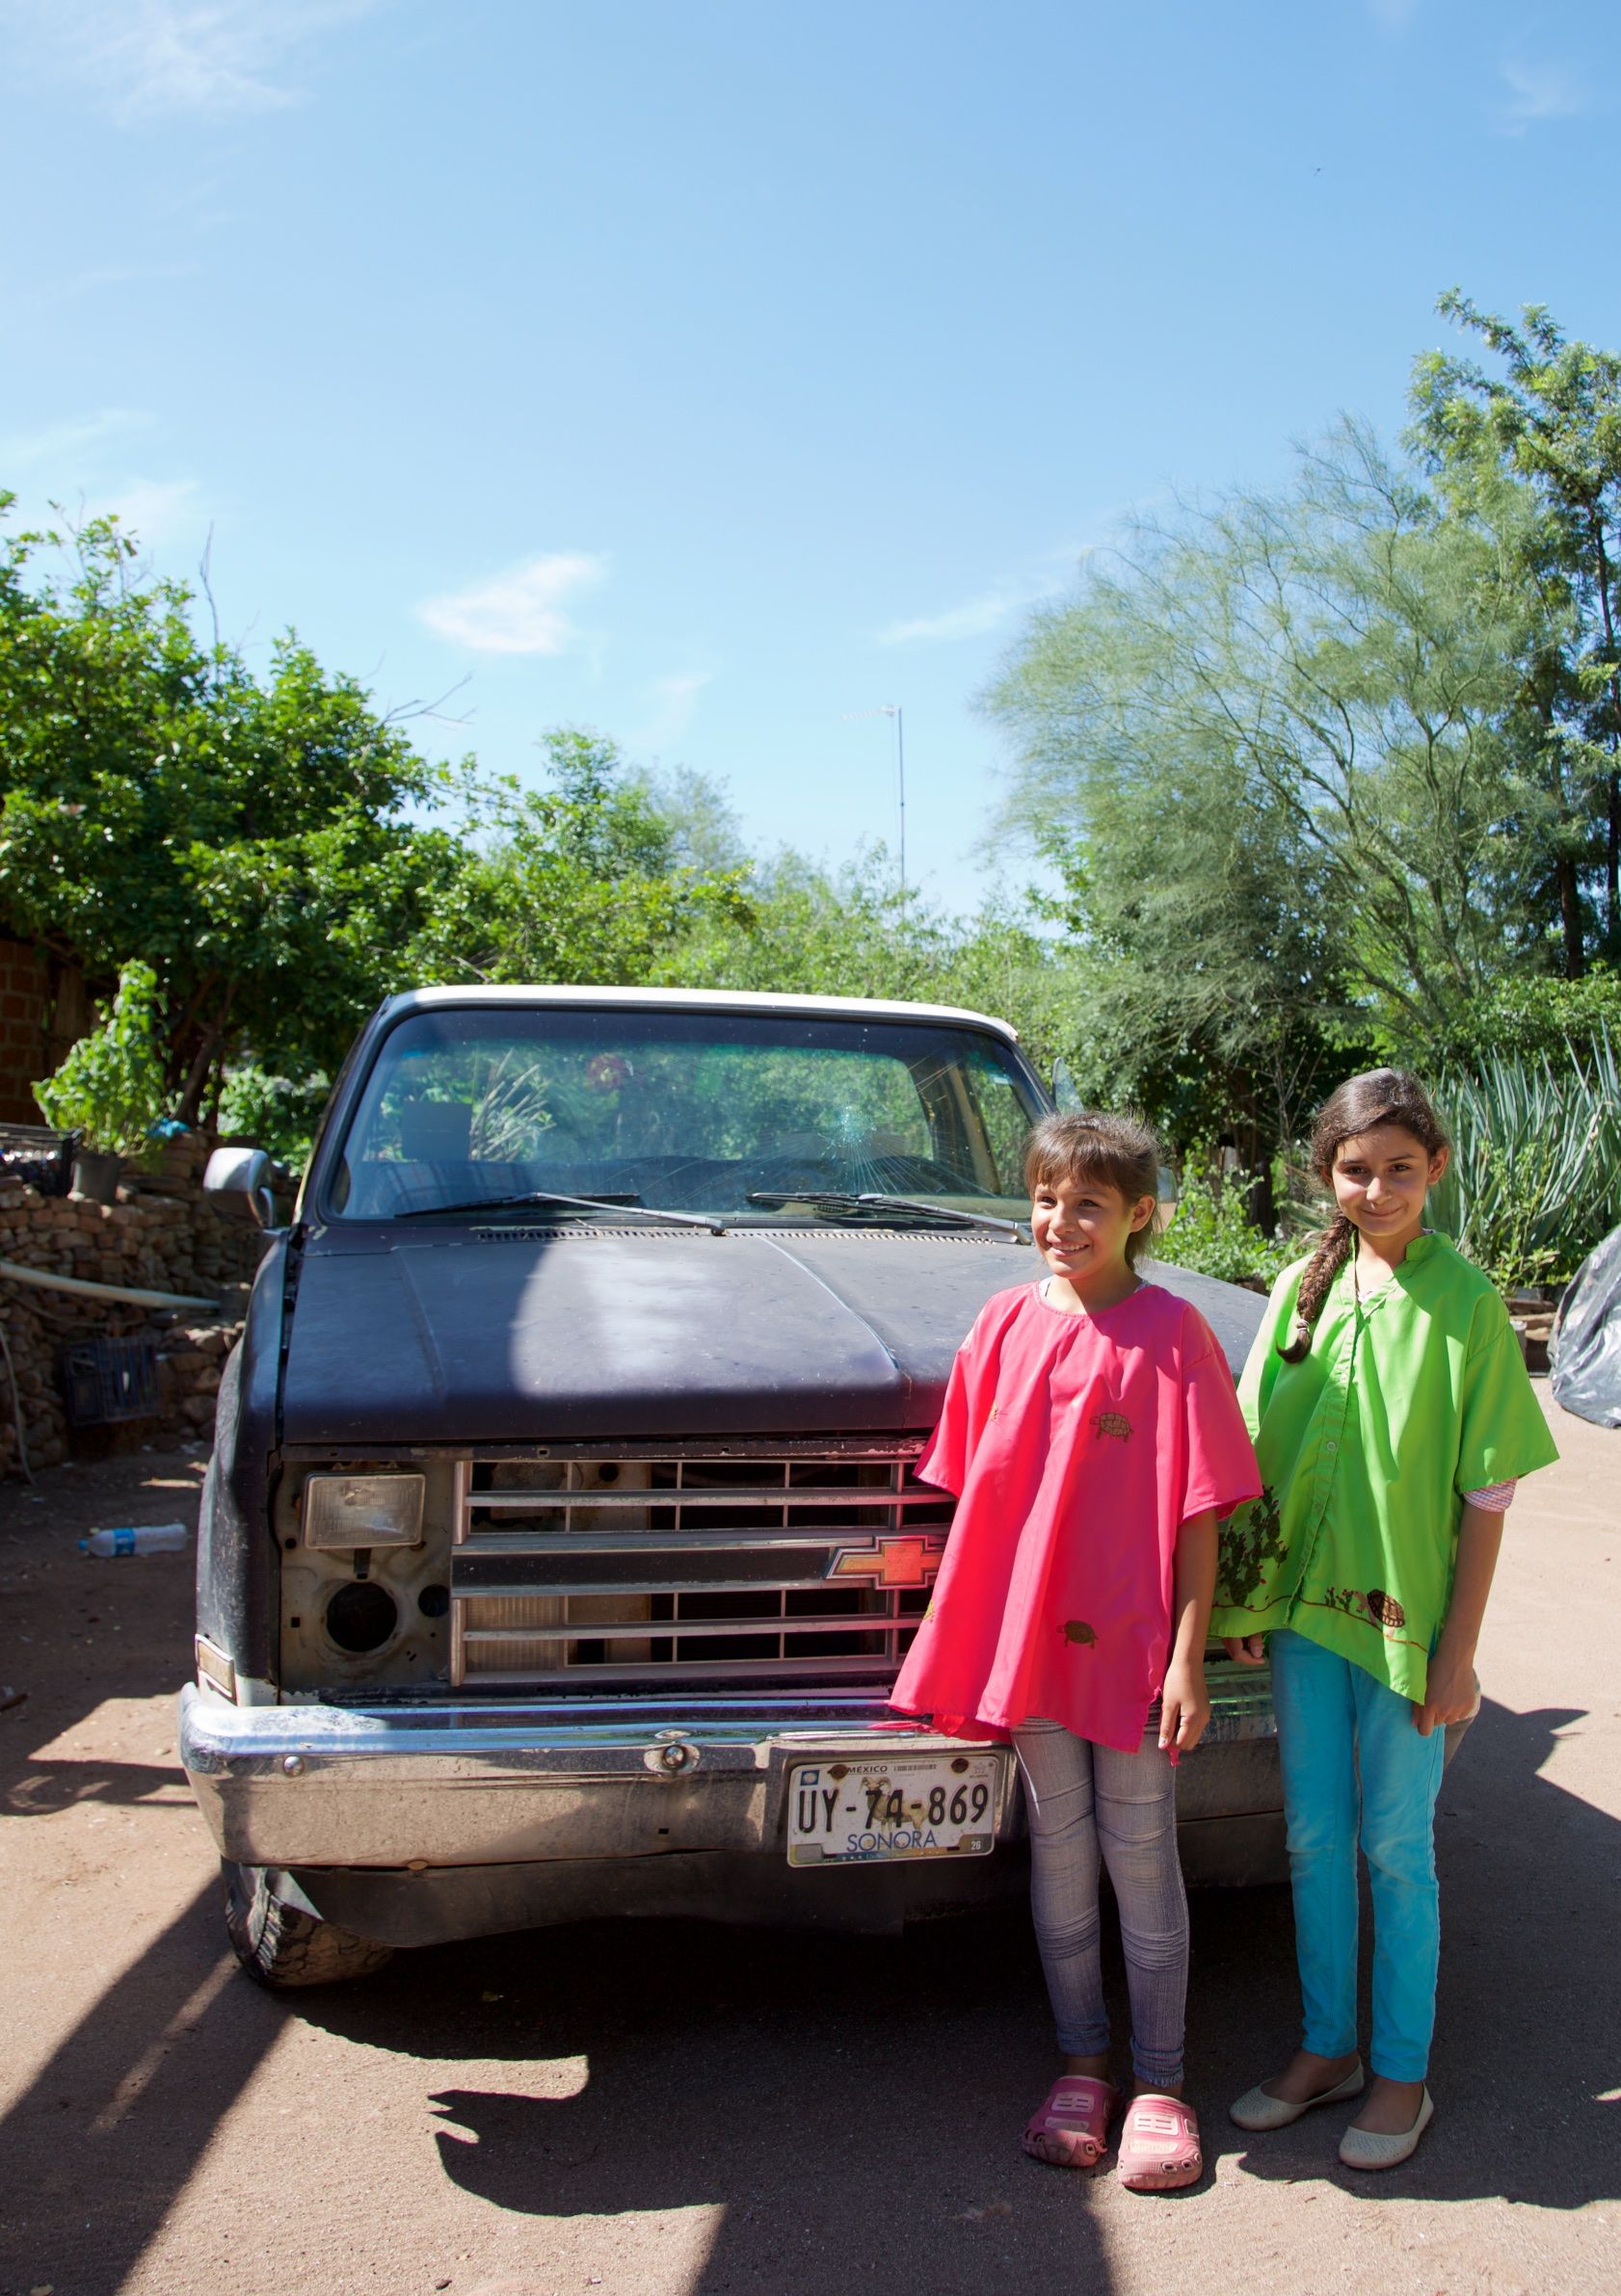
(854, 2104)
(105, 2139)
(1526, 2062)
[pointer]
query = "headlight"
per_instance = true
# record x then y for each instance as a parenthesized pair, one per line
(348, 1511)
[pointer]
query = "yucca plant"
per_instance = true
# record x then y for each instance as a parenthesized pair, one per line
(1535, 1176)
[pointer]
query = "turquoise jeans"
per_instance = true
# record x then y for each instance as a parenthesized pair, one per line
(1354, 1767)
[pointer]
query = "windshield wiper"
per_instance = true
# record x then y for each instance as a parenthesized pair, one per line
(831, 1199)
(575, 1203)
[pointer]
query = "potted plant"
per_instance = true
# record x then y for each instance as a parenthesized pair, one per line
(110, 1089)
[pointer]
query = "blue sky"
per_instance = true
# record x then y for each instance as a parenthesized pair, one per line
(710, 373)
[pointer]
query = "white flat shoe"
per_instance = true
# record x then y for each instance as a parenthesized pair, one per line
(1366, 2149)
(1257, 2110)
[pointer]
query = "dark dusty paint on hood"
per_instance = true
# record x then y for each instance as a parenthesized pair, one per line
(588, 1334)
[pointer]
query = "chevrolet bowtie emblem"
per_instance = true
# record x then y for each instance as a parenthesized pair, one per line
(889, 1562)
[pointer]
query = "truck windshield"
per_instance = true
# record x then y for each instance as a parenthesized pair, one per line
(689, 1110)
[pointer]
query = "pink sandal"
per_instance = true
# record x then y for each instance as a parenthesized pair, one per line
(1160, 2145)
(1071, 2130)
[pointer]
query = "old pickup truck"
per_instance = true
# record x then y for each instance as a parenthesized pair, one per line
(562, 1537)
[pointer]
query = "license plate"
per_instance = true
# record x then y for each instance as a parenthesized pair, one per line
(897, 1805)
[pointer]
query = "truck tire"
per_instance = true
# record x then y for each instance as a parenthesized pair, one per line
(281, 1945)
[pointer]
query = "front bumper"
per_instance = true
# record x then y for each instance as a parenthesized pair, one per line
(421, 1786)
(470, 1784)
(416, 1825)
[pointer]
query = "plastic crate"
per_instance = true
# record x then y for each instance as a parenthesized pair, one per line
(107, 1380)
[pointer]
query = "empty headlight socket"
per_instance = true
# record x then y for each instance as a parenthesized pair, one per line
(317, 1650)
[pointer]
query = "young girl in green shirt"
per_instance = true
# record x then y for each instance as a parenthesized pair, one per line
(1392, 1414)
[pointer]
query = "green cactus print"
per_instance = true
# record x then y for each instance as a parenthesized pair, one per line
(1250, 1542)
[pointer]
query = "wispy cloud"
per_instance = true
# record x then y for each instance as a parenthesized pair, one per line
(75, 470)
(1395, 14)
(975, 618)
(65, 447)
(108, 278)
(674, 698)
(979, 617)
(1539, 92)
(519, 612)
(145, 57)
(156, 511)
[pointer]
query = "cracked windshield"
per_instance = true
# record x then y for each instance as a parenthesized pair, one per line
(686, 1112)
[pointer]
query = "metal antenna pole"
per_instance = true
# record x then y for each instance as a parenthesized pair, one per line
(892, 709)
(900, 783)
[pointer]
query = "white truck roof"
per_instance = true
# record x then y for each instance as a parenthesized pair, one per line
(707, 1001)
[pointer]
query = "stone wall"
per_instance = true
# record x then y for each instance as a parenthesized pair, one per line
(162, 1235)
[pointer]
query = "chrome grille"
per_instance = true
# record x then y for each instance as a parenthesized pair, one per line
(600, 1565)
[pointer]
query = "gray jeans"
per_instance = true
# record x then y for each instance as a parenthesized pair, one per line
(1088, 1802)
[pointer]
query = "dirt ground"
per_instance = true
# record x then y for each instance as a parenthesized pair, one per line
(672, 2110)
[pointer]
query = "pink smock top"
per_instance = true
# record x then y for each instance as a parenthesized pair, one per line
(1078, 1446)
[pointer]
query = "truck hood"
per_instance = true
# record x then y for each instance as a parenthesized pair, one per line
(587, 1334)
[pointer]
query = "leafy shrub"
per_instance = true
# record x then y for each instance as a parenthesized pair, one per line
(1525, 1017)
(110, 1086)
(274, 1112)
(1213, 1232)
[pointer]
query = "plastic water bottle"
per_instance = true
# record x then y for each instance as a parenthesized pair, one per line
(144, 1538)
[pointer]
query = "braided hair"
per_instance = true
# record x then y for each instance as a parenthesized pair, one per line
(1360, 1105)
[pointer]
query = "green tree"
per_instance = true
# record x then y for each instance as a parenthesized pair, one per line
(1272, 751)
(702, 829)
(573, 881)
(247, 837)
(805, 930)
(1533, 1017)
(1551, 419)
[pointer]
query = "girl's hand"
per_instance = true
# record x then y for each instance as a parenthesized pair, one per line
(1451, 1692)
(1184, 1706)
(1249, 1649)
(1450, 1689)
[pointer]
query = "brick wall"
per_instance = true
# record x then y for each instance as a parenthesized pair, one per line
(46, 1007)
(27, 1004)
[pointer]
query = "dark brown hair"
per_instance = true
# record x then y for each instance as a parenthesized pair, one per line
(1114, 1151)
(1362, 1103)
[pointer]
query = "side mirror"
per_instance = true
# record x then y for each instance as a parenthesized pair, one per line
(1066, 1093)
(243, 1172)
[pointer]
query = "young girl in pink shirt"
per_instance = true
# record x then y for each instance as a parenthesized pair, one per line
(1092, 1437)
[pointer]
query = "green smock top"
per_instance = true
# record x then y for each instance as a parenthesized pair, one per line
(1408, 1399)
